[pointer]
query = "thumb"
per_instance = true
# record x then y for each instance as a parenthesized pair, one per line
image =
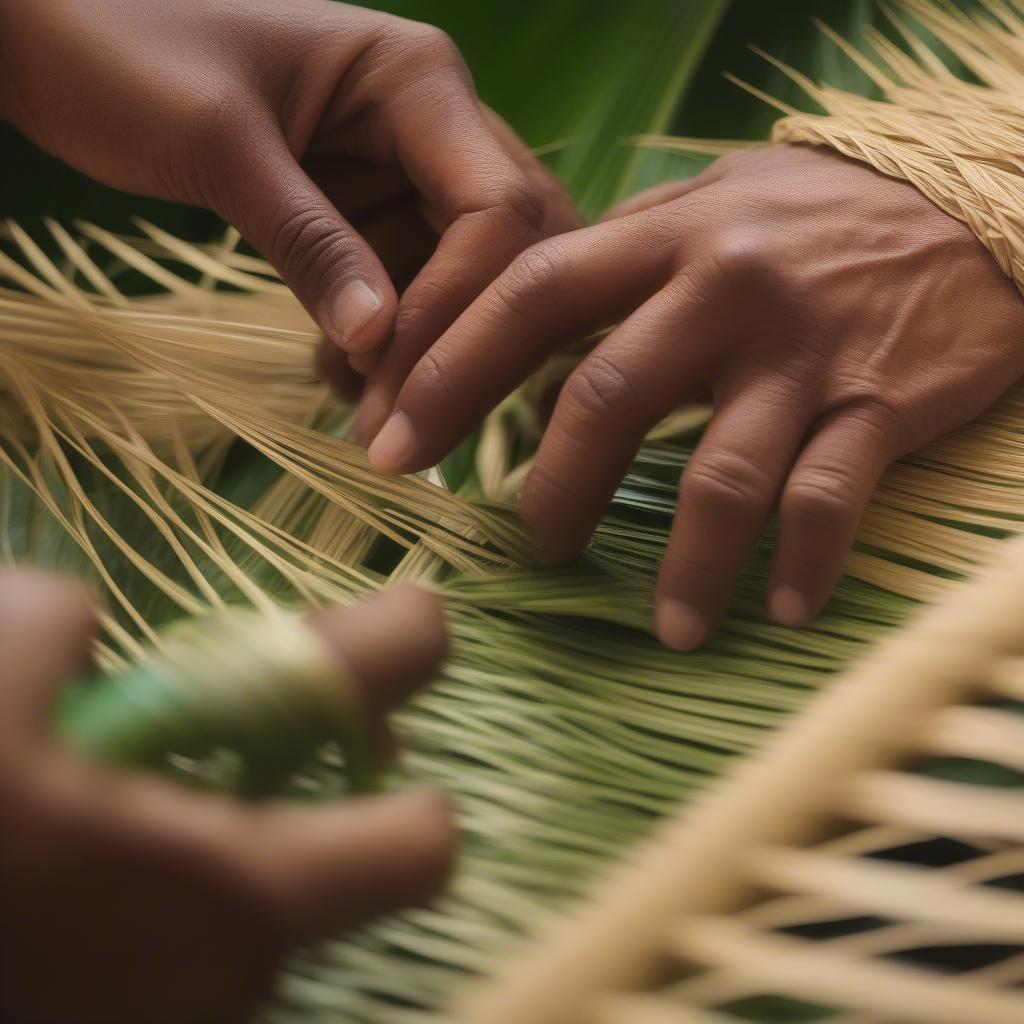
(331, 269)
(335, 867)
(46, 630)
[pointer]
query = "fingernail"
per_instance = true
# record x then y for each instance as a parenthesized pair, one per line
(353, 308)
(788, 606)
(373, 411)
(680, 626)
(392, 447)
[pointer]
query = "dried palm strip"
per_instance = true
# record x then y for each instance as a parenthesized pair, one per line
(896, 993)
(152, 392)
(891, 890)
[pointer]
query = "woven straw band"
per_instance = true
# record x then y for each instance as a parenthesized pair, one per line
(960, 144)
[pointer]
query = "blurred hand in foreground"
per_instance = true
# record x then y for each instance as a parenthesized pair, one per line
(346, 145)
(127, 898)
(835, 318)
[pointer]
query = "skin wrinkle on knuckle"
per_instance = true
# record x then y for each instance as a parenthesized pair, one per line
(414, 308)
(306, 241)
(749, 266)
(731, 268)
(881, 420)
(598, 389)
(522, 287)
(433, 374)
(821, 497)
(516, 196)
(503, 192)
(727, 482)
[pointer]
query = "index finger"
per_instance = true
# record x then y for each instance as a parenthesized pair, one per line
(555, 293)
(487, 208)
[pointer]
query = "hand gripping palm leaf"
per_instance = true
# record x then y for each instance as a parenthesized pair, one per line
(174, 450)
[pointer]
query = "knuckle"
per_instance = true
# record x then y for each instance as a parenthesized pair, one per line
(520, 200)
(532, 274)
(696, 287)
(435, 372)
(430, 43)
(536, 269)
(723, 265)
(821, 494)
(743, 267)
(420, 302)
(729, 482)
(598, 388)
(881, 420)
(419, 64)
(306, 243)
(743, 261)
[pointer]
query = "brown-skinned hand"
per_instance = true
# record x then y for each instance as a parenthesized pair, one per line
(835, 318)
(128, 898)
(346, 145)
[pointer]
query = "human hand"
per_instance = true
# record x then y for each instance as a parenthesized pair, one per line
(404, 234)
(128, 898)
(214, 104)
(835, 317)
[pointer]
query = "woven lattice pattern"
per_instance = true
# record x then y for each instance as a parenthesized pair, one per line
(868, 868)
(890, 921)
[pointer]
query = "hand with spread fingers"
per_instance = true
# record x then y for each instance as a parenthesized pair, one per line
(164, 905)
(835, 318)
(346, 145)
